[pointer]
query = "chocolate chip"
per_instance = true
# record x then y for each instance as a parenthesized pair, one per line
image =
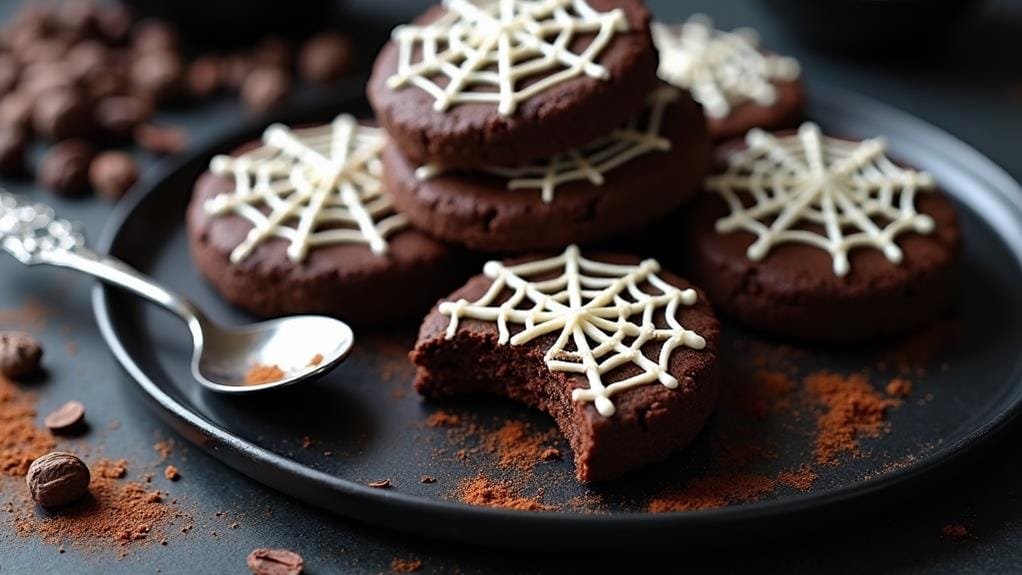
(380, 484)
(57, 479)
(161, 139)
(265, 89)
(203, 77)
(158, 74)
(112, 174)
(13, 150)
(65, 167)
(66, 419)
(60, 114)
(325, 58)
(20, 354)
(155, 36)
(118, 116)
(16, 111)
(275, 562)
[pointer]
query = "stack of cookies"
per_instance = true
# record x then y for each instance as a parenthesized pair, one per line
(532, 125)
(528, 128)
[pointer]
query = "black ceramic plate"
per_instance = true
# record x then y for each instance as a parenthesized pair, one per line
(363, 423)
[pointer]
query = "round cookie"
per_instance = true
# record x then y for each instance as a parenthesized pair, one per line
(648, 421)
(575, 101)
(740, 86)
(801, 290)
(481, 211)
(348, 279)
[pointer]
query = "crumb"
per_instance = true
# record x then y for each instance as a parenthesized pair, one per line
(428, 479)
(171, 473)
(381, 484)
(405, 565)
(316, 360)
(306, 442)
(899, 387)
(550, 454)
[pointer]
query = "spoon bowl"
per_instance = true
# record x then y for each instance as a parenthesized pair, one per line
(269, 354)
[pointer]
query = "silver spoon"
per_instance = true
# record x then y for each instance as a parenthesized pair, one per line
(299, 346)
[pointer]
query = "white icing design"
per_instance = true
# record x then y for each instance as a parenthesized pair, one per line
(590, 162)
(829, 193)
(605, 314)
(486, 51)
(721, 69)
(310, 186)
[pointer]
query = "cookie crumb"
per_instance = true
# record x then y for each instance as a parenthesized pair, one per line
(381, 484)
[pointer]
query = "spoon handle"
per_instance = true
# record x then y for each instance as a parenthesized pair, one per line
(34, 235)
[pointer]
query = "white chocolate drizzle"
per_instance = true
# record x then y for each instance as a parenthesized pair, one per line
(590, 162)
(485, 51)
(721, 69)
(829, 193)
(601, 310)
(310, 186)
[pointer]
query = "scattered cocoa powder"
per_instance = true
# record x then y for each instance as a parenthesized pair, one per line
(955, 532)
(399, 565)
(851, 409)
(484, 492)
(443, 419)
(801, 479)
(899, 387)
(517, 446)
(116, 512)
(713, 491)
(316, 360)
(259, 374)
(550, 454)
(164, 449)
(110, 469)
(21, 441)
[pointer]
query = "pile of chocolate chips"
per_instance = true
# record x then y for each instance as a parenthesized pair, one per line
(86, 77)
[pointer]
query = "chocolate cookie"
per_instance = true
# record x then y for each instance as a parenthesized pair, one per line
(627, 388)
(872, 252)
(584, 74)
(740, 85)
(278, 229)
(614, 185)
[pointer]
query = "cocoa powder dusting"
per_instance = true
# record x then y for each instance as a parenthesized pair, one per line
(517, 446)
(443, 419)
(399, 565)
(714, 491)
(851, 409)
(259, 374)
(899, 387)
(116, 512)
(485, 492)
(21, 441)
(801, 479)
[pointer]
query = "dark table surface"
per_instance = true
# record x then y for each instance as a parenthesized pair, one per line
(968, 82)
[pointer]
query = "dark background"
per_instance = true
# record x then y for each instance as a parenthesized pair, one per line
(967, 80)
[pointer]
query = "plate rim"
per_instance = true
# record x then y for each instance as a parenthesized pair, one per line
(392, 509)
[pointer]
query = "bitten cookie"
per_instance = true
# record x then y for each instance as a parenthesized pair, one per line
(819, 238)
(618, 183)
(740, 86)
(621, 354)
(299, 224)
(467, 86)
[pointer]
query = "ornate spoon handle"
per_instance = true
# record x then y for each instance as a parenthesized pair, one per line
(31, 232)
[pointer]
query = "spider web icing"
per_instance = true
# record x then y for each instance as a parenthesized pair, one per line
(484, 51)
(590, 162)
(603, 316)
(801, 183)
(310, 186)
(721, 69)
